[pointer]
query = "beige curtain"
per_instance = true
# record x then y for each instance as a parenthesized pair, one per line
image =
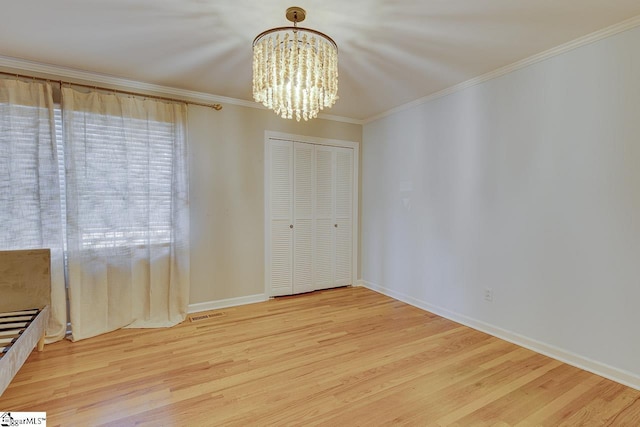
(29, 184)
(127, 212)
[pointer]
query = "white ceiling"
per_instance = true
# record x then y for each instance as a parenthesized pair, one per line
(391, 52)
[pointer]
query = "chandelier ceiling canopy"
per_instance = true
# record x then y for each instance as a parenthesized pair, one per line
(295, 69)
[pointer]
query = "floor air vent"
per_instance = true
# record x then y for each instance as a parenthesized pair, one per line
(199, 317)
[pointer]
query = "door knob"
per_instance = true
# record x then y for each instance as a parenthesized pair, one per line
(335, 225)
(291, 226)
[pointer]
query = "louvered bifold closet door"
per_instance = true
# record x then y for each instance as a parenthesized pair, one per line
(343, 216)
(310, 216)
(281, 210)
(324, 215)
(303, 204)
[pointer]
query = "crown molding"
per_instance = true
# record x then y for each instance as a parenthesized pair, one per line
(54, 72)
(340, 119)
(539, 57)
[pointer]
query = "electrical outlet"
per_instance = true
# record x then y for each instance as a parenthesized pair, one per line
(488, 294)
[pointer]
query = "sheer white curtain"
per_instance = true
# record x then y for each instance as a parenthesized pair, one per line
(30, 215)
(127, 212)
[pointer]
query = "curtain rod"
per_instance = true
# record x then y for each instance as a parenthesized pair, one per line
(216, 107)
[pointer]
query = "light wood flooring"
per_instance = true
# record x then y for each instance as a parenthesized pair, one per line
(344, 357)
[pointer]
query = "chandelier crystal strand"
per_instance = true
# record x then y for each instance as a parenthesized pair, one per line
(298, 49)
(277, 68)
(304, 71)
(315, 81)
(295, 70)
(271, 76)
(291, 86)
(300, 84)
(327, 78)
(283, 66)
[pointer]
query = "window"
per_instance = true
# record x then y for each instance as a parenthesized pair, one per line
(101, 180)
(30, 213)
(131, 207)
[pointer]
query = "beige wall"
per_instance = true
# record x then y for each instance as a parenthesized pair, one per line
(227, 195)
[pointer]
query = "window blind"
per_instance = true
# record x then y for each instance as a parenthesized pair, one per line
(125, 190)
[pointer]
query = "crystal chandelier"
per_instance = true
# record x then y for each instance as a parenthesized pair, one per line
(295, 70)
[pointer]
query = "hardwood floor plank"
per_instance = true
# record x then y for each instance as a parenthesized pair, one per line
(347, 356)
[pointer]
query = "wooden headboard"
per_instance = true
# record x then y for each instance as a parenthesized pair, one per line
(25, 279)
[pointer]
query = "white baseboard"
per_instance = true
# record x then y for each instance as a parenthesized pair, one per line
(224, 303)
(618, 375)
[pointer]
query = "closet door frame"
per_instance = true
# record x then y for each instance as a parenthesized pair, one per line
(279, 136)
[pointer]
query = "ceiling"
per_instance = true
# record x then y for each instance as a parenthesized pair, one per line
(391, 52)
